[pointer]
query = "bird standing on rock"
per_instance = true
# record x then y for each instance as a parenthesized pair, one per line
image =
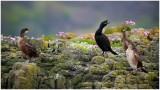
(126, 42)
(134, 59)
(26, 47)
(102, 40)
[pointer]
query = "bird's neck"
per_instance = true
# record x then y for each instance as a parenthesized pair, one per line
(123, 34)
(99, 31)
(22, 35)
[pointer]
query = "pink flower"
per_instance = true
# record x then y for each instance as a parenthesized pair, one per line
(138, 31)
(92, 36)
(113, 39)
(146, 33)
(94, 46)
(119, 39)
(43, 35)
(130, 22)
(81, 36)
(13, 39)
(61, 32)
(32, 37)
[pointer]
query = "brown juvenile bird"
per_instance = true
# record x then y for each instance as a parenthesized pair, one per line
(134, 59)
(126, 42)
(26, 47)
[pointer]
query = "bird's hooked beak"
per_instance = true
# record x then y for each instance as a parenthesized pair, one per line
(27, 31)
(123, 29)
(106, 22)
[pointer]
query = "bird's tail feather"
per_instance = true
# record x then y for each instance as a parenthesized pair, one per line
(113, 52)
(144, 70)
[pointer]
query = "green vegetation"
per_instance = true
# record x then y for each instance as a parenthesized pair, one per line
(47, 38)
(118, 44)
(117, 29)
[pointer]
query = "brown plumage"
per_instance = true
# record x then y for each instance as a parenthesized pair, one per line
(126, 42)
(134, 59)
(27, 48)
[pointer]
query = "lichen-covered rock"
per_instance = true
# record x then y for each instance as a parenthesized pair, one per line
(110, 76)
(144, 86)
(5, 69)
(87, 77)
(60, 81)
(5, 48)
(97, 85)
(8, 62)
(119, 81)
(132, 86)
(4, 81)
(131, 79)
(98, 59)
(119, 66)
(23, 76)
(85, 85)
(75, 80)
(47, 83)
(65, 73)
(99, 69)
(108, 84)
(64, 64)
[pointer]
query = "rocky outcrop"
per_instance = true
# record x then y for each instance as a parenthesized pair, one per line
(68, 65)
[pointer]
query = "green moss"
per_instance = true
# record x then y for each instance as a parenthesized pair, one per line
(47, 38)
(64, 65)
(107, 84)
(17, 66)
(98, 60)
(89, 41)
(144, 86)
(151, 76)
(61, 82)
(118, 44)
(114, 73)
(117, 29)
(99, 70)
(88, 77)
(5, 48)
(65, 73)
(132, 86)
(9, 62)
(118, 66)
(25, 79)
(76, 79)
(85, 85)
(5, 69)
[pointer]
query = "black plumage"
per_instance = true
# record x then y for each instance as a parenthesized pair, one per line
(102, 40)
(26, 47)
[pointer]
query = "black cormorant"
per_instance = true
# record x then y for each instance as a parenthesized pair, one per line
(102, 40)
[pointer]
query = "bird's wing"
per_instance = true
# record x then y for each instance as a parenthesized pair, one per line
(106, 40)
(31, 49)
(138, 59)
